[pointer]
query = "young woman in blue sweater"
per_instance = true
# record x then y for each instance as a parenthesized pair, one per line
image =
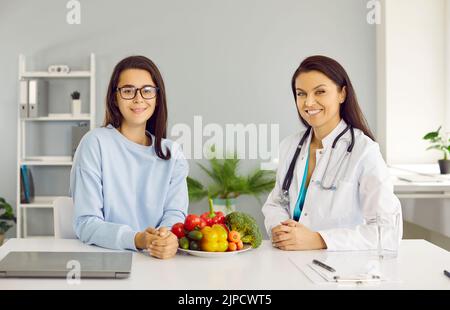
(128, 182)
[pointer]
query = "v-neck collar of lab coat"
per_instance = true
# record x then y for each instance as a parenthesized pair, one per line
(327, 142)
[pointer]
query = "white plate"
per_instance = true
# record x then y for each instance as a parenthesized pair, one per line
(215, 254)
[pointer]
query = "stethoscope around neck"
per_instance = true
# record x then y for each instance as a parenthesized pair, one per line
(284, 197)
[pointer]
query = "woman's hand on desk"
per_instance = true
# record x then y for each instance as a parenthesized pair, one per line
(293, 236)
(161, 243)
(165, 245)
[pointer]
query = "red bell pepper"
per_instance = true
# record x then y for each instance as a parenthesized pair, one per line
(203, 223)
(212, 217)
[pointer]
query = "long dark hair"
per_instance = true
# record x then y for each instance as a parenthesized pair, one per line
(157, 124)
(349, 109)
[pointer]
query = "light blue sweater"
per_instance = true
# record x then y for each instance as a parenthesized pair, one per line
(120, 187)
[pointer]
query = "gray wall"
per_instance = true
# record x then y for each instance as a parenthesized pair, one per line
(229, 61)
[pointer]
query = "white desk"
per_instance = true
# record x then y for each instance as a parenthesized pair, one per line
(420, 265)
(404, 189)
(426, 204)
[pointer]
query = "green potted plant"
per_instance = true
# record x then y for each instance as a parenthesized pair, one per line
(227, 184)
(441, 143)
(6, 218)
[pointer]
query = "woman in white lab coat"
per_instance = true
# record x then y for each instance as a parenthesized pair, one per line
(330, 207)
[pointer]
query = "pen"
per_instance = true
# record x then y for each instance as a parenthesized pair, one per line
(319, 263)
(358, 278)
(447, 273)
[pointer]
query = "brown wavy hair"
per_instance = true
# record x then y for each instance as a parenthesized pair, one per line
(157, 124)
(349, 109)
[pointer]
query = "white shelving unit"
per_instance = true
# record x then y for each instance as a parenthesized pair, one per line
(47, 161)
(59, 118)
(44, 161)
(43, 74)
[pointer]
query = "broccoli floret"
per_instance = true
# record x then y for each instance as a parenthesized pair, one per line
(246, 226)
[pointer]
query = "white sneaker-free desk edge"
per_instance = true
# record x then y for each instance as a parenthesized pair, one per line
(420, 266)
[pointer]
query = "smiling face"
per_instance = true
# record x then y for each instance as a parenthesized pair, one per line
(318, 99)
(138, 110)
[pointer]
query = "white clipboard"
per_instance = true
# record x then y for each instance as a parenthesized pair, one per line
(352, 268)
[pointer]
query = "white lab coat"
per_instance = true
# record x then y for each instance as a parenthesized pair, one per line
(342, 217)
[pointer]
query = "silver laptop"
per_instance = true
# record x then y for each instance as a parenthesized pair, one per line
(60, 264)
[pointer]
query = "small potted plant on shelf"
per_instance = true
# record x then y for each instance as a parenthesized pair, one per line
(76, 103)
(228, 185)
(6, 218)
(441, 143)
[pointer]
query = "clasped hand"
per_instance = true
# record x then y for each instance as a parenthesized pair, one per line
(160, 243)
(293, 236)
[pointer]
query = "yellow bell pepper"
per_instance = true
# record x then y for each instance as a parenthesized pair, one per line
(214, 239)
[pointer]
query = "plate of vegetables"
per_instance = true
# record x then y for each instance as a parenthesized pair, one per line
(215, 254)
(215, 235)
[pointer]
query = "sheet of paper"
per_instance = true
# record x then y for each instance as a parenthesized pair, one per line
(350, 267)
(418, 178)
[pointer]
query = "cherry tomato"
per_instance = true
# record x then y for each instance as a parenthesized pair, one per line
(178, 230)
(191, 222)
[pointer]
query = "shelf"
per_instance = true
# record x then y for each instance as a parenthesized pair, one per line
(44, 74)
(40, 202)
(59, 118)
(40, 237)
(80, 74)
(431, 195)
(47, 161)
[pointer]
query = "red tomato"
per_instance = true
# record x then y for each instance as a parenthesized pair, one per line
(191, 222)
(178, 230)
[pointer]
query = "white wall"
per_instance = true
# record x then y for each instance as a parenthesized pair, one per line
(413, 64)
(229, 61)
(447, 53)
(412, 77)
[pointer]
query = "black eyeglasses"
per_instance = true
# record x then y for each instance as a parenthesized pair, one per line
(130, 92)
